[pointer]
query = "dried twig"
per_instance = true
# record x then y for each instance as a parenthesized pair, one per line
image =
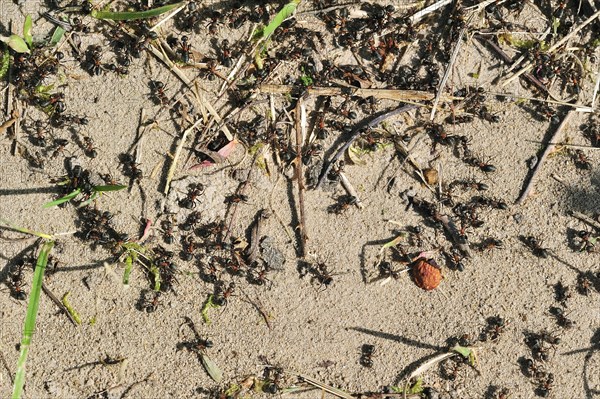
(356, 133)
(419, 15)
(58, 303)
(350, 190)
(555, 138)
(453, 58)
(300, 126)
(383, 94)
(173, 165)
(586, 219)
(329, 389)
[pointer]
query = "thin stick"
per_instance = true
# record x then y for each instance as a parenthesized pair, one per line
(419, 15)
(300, 117)
(449, 69)
(358, 129)
(171, 171)
(350, 190)
(555, 137)
(586, 219)
(168, 17)
(334, 391)
(527, 76)
(383, 94)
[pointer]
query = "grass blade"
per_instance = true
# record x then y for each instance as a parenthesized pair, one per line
(4, 64)
(32, 311)
(130, 16)
(56, 36)
(281, 16)
(62, 200)
(8, 225)
(111, 187)
(211, 368)
(16, 43)
(27, 28)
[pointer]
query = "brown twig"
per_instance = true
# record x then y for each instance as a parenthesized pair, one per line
(550, 147)
(358, 129)
(58, 303)
(382, 94)
(299, 175)
(586, 219)
(527, 76)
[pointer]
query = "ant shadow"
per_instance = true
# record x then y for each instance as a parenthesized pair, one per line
(584, 199)
(590, 392)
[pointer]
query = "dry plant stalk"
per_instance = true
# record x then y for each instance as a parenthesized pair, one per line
(300, 125)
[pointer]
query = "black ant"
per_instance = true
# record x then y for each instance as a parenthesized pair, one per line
(185, 49)
(130, 167)
(581, 160)
(194, 191)
(494, 328)
(342, 204)
(93, 60)
(16, 279)
(191, 221)
(311, 151)
(468, 184)
(189, 247)
(321, 274)
(366, 355)
(489, 202)
(120, 70)
(561, 293)
(55, 101)
(222, 293)
(158, 95)
(535, 246)
(489, 244)
(386, 270)
(586, 242)
(584, 284)
(59, 146)
(152, 304)
(454, 259)
(561, 319)
(89, 149)
(545, 385)
(226, 54)
(236, 198)
(483, 166)
(168, 236)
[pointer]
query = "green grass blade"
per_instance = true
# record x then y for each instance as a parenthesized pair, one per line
(5, 63)
(211, 368)
(112, 187)
(64, 199)
(27, 28)
(56, 36)
(16, 43)
(130, 16)
(70, 308)
(8, 225)
(32, 311)
(281, 16)
(128, 268)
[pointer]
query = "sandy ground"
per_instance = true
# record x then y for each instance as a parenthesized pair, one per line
(314, 330)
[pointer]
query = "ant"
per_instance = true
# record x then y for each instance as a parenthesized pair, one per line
(120, 70)
(489, 244)
(483, 166)
(321, 274)
(468, 184)
(386, 271)
(185, 49)
(194, 191)
(89, 149)
(545, 385)
(342, 204)
(59, 146)
(93, 60)
(222, 294)
(535, 246)
(55, 101)
(581, 160)
(130, 167)
(167, 227)
(489, 202)
(189, 247)
(236, 198)
(584, 284)
(311, 151)
(494, 328)
(561, 293)
(226, 54)
(561, 319)
(158, 95)
(586, 241)
(259, 278)
(152, 305)
(454, 260)
(366, 355)
(16, 277)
